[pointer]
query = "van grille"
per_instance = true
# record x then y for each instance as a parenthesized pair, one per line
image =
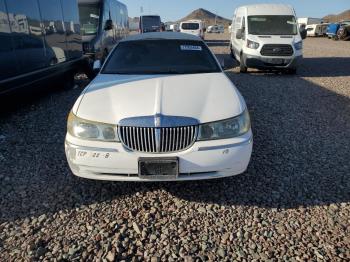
(158, 140)
(277, 50)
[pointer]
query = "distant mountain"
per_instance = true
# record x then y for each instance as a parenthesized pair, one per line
(206, 16)
(337, 18)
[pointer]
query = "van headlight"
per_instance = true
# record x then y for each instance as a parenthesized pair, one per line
(252, 44)
(298, 45)
(90, 130)
(224, 129)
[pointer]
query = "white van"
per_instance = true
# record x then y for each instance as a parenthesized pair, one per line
(266, 36)
(193, 27)
(216, 29)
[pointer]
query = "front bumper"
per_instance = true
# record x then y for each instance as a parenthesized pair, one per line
(204, 160)
(262, 62)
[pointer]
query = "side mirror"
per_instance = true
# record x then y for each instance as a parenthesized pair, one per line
(204, 30)
(239, 34)
(97, 66)
(303, 33)
(108, 25)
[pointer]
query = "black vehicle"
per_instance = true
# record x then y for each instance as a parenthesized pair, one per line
(150, 23)
(39, 40)
(103, 24)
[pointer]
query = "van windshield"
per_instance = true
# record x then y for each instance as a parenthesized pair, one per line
(89, 19)
(190, 26)
(146, 57)
(272, 25)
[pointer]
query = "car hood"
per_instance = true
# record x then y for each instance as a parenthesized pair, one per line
(205, 97)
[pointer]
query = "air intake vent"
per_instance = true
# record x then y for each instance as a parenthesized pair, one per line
(277, 50)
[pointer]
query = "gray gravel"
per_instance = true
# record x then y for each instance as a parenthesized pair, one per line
(293, 203)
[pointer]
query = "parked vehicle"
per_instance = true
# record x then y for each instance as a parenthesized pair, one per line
(174, 118)
(150, 23)
(266, 36)
(309, 21)
(40, 43)
(332, 30)
(174, 27)
(193, 27)
(317, 30)
(103, 24)
(216, 29)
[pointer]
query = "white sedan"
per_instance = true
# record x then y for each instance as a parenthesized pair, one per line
(160, 109)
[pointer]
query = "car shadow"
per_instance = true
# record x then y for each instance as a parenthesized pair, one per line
(300, 158)
(217, 43)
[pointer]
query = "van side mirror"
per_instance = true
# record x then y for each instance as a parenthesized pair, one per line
(97, 66)
(108, 25)
(204, 29)
(303, 33)
(239, 34)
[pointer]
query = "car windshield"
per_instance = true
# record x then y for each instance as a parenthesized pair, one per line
(150, 22)
(161, 57)
(190, 26)
(89, 19)
(272, 25)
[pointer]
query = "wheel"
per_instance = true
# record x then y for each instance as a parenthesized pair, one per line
(242, 66)
(231, 53)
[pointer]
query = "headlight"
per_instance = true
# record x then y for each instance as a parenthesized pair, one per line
(90, 130)
(299, 45)
(229, 128)
(252, 44)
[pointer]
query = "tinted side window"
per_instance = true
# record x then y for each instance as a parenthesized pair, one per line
(55, 38)
(25, 22)
(8, 64)
(72, 26)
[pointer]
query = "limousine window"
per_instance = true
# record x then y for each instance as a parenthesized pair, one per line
(161, 57)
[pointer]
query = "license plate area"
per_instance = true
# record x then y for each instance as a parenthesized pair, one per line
(159, 168)
(276, 61)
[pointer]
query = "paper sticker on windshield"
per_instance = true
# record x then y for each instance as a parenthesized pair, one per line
(191, 48)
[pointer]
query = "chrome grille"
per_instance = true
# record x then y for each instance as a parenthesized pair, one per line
(277, 50)
(158, 140)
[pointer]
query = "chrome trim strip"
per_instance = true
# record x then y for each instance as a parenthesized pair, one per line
(159, 121)
(247, 142)
(87, 148)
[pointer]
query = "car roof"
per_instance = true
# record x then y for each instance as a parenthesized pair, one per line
(162, 36)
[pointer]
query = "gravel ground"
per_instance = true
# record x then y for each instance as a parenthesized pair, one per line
(292, 204)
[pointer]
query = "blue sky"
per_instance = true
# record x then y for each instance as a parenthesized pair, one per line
(176, 9)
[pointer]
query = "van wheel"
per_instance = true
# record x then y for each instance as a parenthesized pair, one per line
(231, 53)
(242, 66)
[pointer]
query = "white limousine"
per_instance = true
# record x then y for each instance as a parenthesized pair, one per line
(160, 109)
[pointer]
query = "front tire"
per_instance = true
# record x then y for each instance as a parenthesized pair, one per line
(231, 53)
(242, 67)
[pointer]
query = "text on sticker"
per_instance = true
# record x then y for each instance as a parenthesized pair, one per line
(190, 48)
